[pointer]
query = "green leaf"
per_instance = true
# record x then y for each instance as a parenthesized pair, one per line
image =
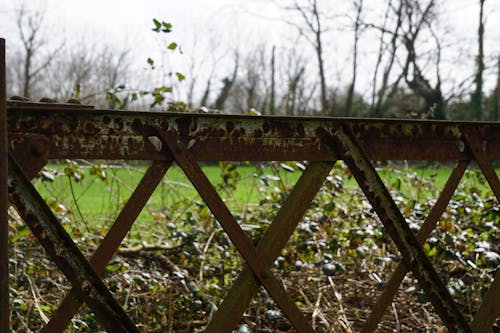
(172, 46)
(22, 230)
(287, 167)
(167, 27)
(157, 25)
(19, 304)
(113, 268)
(180, 76)
(151, 62)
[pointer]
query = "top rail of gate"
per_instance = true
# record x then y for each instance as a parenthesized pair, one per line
(79, 131)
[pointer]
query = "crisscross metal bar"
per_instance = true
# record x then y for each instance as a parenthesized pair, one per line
(489, 309)
(413, 255)
(63, 251)
(239, 238)
(270, 246)
(428, 226)
(478, 150)
(111, 241)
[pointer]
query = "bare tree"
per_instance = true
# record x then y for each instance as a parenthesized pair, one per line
(313, 21)
(227, 84)
(216, 58)
(251, 89)
(417, 16)
(477, 95)
(29, 25)
(496, 99)
(358, 5)
(294, 71)
(272, 99)
(387, 50)
(85, 71)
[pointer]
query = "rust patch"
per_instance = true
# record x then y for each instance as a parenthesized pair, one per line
(285, 130)
(266, 127)
(90, 128)
(118, 124)
(300, 130)
(183, 124)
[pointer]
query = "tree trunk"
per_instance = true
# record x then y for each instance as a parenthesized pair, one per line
(350, 92)
(378, 109)
(27, 73)
(227, 85)
(477, 95)
(272, 102)
(325, 105)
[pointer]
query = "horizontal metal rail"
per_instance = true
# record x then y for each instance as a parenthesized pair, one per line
(38, 132)
(76, 132)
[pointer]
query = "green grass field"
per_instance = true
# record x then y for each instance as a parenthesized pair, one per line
(101, 199)
(180, 238)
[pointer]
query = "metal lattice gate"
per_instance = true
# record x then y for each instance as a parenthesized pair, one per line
(37, 132)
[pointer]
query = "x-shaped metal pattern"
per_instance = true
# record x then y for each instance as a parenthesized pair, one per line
(490, 307)
(414, 258)
(89, 288)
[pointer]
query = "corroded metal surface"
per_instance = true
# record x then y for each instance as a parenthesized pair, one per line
(270, 246)
(412, 253)
(239, 238)
(4, 219)
(428, 226)
(63, 251)
(104, 134)
(489, 310)
(71, 303)
(38, 132)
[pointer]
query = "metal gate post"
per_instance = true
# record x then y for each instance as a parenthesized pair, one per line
(4, 206)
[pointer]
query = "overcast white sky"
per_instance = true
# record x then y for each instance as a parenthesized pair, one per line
(237, 24)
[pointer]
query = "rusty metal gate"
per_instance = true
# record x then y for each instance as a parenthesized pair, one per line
(33, 133)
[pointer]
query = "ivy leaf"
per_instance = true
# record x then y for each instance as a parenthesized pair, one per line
(157, 25)
(167, 27)
(172, 46)
(180, 76)
(151, 63)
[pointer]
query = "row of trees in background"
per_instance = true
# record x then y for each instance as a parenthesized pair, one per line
(406, 79)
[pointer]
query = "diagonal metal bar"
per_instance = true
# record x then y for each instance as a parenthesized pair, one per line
(478, 150)
(239, 238)
(4, 201)
(489, 309)
(71, 303)
(428, 226)
(413, 255)
(270, 245)
(63, 251)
